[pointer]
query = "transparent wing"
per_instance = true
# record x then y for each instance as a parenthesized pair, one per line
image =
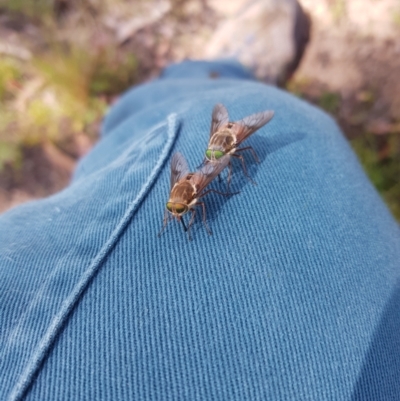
(248, 125)
(179, 168)
(208, 172)
(219, 118)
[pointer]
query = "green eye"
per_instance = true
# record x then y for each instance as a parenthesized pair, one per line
(169, 206)
(218, 154)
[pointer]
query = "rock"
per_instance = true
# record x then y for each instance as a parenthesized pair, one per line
(20, 52)
(355, 47)
(268, 36)
(126, 25)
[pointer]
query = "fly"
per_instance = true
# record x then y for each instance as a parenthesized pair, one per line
(188, 188)
(226, 136)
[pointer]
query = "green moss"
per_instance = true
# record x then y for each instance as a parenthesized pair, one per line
(297, 86)
(380, 157)
(65, 88)
(330, 102)
(9, 75)
(9, 153)
(112, 73)
(41, 10)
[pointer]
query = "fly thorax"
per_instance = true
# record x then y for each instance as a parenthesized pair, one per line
(182, 192)
(223, 141)
(220, 144)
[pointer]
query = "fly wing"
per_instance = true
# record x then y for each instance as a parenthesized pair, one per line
(208, 172)
(248, 125)
(219, 118)
(179, 168)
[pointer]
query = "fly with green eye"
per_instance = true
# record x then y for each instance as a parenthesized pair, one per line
(187, 188)
(226, 136)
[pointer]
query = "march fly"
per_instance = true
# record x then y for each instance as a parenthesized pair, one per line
(188, 188)
(226, 136)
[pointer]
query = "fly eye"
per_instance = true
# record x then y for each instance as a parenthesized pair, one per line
(169, 206)
(218, 154)
(180, 209)
(208, 154)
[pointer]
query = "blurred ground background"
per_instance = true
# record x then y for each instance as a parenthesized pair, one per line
(63, 62)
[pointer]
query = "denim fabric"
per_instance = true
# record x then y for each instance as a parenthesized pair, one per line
(295, 296)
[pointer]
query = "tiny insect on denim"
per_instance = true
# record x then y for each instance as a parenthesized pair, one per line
(295, 296)
(226, 136)
(187, 188)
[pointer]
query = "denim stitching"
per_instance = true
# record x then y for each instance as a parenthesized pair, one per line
(67, 306)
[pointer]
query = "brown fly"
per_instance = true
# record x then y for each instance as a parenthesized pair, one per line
(226, 136)
(188, 188)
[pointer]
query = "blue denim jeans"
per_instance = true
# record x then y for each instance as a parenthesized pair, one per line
(295, 296)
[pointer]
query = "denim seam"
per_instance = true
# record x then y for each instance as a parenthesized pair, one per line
(71, 301)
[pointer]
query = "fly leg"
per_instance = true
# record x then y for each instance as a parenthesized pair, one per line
(165, 222)
(183, 224)
(204, 216)
(229, 177)
(190, 223)
(202, 204)
(252, 151)
(244, 166)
